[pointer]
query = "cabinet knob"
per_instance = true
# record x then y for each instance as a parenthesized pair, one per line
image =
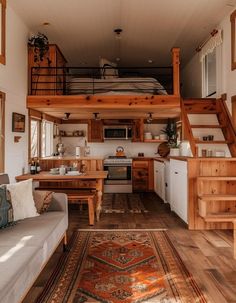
(176, 172)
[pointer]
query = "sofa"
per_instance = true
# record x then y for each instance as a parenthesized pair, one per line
(26, 247)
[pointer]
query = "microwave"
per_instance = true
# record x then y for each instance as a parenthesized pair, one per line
(117, 132)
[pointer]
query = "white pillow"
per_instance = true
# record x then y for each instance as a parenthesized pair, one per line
(22, 200)
(108, 69)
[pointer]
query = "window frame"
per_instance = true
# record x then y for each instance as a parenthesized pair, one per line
(205, 78)
(43, 123)
(38, 137)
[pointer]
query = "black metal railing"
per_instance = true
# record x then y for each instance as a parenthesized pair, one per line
(93, 80)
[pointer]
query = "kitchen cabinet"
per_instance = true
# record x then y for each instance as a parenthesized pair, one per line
(142, 174)
(159, 179)
(95, 131)
(48, 80)
(179, 188)
(137, 130)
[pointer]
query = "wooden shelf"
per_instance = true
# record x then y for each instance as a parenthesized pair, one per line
(217, 197)
(206, 126)
(205, 112)
(64, 136)
(154, 141)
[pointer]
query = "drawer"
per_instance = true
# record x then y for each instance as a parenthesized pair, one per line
(140, 164)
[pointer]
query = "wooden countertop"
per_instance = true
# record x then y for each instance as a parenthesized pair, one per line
(71, 158)
(46, 176)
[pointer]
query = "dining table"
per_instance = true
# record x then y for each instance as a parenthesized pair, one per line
(93, 180)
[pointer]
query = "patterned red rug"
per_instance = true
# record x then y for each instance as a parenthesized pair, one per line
(121, 266)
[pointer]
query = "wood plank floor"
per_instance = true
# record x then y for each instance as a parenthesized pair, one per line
(208, 255)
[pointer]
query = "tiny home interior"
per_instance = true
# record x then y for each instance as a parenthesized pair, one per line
(131, 101)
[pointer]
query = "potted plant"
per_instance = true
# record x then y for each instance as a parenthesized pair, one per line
(41, 45)
(172, 136)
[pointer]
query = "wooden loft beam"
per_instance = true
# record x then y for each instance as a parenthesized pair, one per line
(176, 63)
(45, 103)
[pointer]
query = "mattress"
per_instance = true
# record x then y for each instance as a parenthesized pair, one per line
(138, 85)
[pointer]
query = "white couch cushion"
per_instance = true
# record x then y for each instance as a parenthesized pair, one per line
(20, 265)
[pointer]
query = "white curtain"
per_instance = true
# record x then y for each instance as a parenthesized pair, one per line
(211, 44)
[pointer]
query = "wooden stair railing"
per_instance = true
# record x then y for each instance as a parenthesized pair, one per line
(208, 106)
(215, 206)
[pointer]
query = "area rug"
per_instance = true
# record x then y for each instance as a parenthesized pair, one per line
(122, 203)
(114, 267)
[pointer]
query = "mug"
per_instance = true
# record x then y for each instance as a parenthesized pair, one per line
(62, 170)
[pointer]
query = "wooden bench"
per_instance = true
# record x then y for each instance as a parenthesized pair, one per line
(76, 196)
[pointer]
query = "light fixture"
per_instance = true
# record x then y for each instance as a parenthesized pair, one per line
(150, 118)
(118, 32)
(66, 117)
(96, 117)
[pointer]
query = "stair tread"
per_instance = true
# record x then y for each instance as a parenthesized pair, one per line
(206, 126)
(220, 217)
(213, 142)
(217, 197)
(217, 178)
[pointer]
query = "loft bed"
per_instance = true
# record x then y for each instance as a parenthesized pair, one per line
(106, 86)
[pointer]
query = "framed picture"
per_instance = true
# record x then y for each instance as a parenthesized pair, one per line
(18, 123)
(233, 40)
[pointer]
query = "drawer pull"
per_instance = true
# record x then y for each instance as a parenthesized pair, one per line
(176, 172)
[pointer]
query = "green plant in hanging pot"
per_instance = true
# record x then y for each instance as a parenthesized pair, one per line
(41, 45)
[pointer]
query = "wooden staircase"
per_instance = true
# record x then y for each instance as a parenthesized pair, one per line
(217, 199)
(216, 108)
(215, 184)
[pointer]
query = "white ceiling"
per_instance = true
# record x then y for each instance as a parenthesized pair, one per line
(83, 29)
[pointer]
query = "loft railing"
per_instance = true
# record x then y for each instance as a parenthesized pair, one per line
(90, 80)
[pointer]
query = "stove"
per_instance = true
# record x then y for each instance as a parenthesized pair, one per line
(119, 179)
(118, 160)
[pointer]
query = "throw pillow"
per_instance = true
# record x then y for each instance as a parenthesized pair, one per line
(42, 200)
(22, 200)
(108, 69)
(6, 211)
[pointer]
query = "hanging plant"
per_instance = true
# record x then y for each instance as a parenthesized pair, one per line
(40, 44)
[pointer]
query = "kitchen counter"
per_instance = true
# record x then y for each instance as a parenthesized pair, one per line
(71, 158)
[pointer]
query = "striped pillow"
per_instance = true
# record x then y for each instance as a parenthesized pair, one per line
(6, 210)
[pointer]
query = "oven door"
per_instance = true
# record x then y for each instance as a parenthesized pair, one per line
(118, 174)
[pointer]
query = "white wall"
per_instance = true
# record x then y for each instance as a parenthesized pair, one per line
(226, 79)
(109, 147)
(13, 82)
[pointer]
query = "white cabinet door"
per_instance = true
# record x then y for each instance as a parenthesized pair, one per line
(159, 179)
(179, 188)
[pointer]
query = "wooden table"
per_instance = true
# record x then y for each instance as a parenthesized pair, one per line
(97, 176)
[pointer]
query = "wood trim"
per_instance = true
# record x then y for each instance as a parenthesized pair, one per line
(35, 114)
(233, 107)
(3, 33)
(50, 103)
(2, 154)
(176, 63)
(233, 33)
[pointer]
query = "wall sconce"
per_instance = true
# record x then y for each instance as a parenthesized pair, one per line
(96, 117)
(150, 118)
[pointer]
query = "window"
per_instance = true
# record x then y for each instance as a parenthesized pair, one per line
(2, 131)
(34, 138)
(209, 74)
(47, 138)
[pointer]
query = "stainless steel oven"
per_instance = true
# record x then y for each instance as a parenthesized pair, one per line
(119, 179)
